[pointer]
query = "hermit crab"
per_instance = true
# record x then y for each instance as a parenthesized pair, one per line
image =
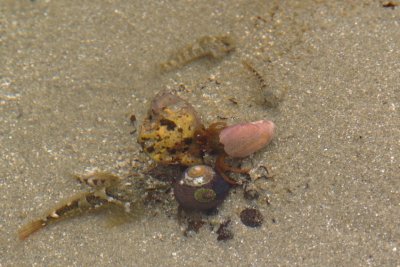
(172, 134)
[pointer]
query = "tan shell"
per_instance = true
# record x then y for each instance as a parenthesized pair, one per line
(243, 139)
(167, 134)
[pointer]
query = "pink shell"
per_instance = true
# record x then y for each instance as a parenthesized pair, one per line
(243, 139)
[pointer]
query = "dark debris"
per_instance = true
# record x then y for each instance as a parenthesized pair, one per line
(224, 232)
(193, 225)
(251, 217)
(391, 5)
(168, 173)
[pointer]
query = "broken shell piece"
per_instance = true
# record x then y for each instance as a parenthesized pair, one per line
(243, 139)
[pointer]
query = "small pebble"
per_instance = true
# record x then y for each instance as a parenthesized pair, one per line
(251, 217)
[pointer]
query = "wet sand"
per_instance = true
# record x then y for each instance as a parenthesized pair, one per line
(73, 72)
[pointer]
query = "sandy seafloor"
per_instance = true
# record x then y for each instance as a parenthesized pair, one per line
(72, 73)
